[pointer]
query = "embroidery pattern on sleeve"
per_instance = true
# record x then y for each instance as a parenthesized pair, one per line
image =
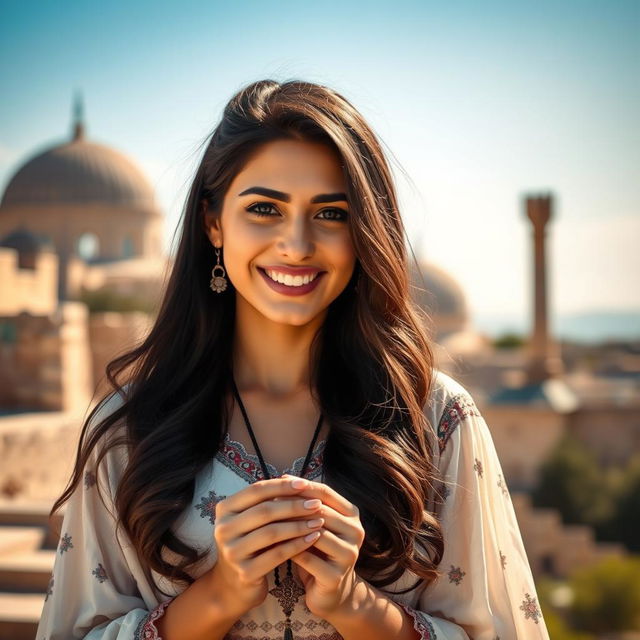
(100, 573)
(146, 629)
(49, 590)
(456, 574)
(503, 486)
(457, 408)
(89, 479)
(530, 607)
(65, 543)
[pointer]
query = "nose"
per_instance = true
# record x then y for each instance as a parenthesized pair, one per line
(296, 240)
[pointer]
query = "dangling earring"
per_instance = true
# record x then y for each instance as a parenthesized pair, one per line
(218, 283)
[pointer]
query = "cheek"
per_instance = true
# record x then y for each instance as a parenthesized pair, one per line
(345, 253)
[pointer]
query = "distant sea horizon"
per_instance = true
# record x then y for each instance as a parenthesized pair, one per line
(591, 327)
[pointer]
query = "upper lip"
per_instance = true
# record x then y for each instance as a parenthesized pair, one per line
(293, 271)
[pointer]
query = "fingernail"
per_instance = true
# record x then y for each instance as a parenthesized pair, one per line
(314, 503)
(312, 524)
(298, 483)
(312, 536)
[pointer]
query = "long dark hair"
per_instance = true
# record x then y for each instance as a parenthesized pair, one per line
(371, 376)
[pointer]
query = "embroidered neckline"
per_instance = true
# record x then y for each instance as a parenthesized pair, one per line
(234, 455)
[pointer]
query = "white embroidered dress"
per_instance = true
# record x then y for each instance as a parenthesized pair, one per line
(98, 589)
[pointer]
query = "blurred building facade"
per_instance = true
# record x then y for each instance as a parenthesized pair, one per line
(77, 217)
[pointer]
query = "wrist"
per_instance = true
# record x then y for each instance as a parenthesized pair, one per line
(226, 603)
(353, 606)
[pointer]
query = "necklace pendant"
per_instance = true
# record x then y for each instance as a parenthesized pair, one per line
(288, 593)
(288, 634)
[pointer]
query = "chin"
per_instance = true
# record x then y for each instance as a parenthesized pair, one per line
(294, 319)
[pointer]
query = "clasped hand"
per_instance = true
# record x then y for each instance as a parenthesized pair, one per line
(265, 524)
(329, 577)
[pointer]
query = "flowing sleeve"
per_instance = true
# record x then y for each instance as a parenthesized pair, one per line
(486, 590)
(93, 592)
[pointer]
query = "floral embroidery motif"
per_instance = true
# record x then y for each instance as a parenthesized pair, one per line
(530, 607)
(49, 590)
(503, 485)
(456, 574)
(100, 573)
(65, 543)
(146, 629)
(478, 467)
(296, 625)
(503, 559)
(247, 465)
(288, 593)
(89, 479)
(459, 407)
(421, 623)
(208, 504)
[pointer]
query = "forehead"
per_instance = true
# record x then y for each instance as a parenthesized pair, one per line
(292, 164)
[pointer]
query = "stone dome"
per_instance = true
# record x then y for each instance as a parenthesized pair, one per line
(440, 295)
(79, 172)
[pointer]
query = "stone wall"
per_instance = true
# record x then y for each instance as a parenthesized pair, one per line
(45, 360)
(31, 290)
(112, 334)
(38, 453)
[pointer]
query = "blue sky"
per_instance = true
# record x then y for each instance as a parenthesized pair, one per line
(476, 104)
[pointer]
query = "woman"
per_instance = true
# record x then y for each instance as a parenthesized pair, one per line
(287, 342)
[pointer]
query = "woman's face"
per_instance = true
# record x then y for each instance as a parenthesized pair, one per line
(299, 226)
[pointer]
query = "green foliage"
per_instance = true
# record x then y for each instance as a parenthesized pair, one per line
(508, 341)
(558, 629)
(607, 596)
(108, 300)
(555, 620)
(572, 482)
(624, 526)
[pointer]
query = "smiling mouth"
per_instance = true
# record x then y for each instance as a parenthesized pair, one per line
(290, 280)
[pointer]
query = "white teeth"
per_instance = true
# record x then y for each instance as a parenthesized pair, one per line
(289, 280)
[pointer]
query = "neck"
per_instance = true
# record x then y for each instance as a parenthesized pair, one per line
(272, 358)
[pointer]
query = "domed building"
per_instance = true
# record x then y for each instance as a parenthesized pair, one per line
(444, 301)
(80, 250)
(91, 202)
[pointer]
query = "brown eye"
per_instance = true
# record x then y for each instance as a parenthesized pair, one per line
(254, 208)
(341, 213)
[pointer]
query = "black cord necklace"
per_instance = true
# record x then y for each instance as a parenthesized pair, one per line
(287, 591)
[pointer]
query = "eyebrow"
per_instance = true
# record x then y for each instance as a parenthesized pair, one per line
(285, 197)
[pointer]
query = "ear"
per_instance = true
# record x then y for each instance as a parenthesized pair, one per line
(211, 224)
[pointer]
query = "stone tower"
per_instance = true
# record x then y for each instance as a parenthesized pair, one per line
(544, 356)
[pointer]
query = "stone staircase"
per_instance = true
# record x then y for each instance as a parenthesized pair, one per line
(27, 552)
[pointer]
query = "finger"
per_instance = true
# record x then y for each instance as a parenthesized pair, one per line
(343, 526)
(237, 525)
(264, 537)
(262, 564)
(321, 570)
(339, 552)
(255, 493)
(331, 497)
